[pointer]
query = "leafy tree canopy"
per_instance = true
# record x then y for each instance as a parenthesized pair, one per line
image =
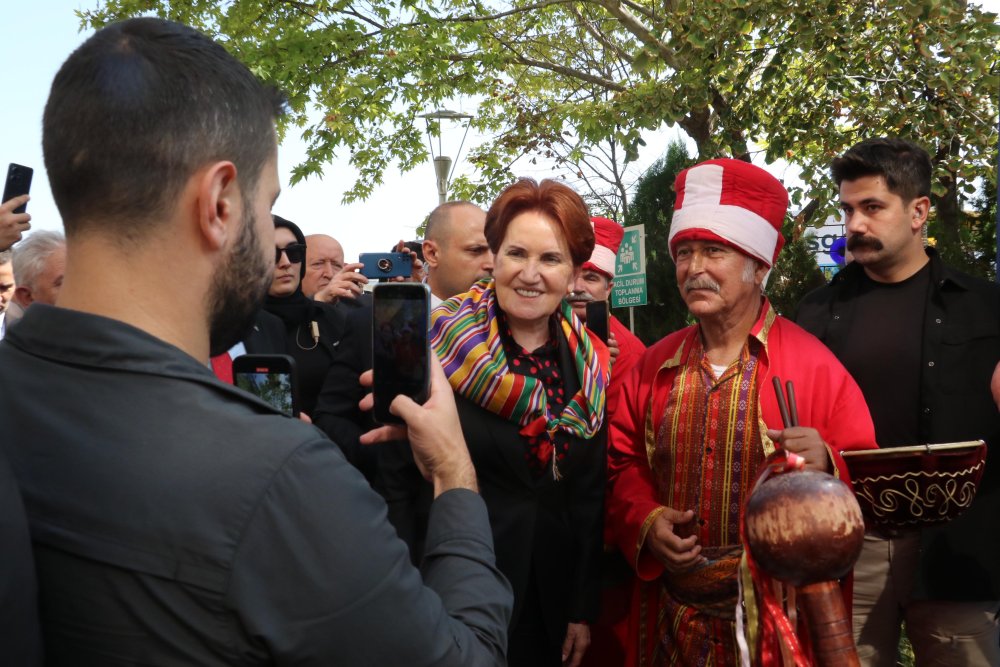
(573, 79)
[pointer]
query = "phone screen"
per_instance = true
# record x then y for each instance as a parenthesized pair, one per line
(269, 377)
(598, 319)
(400, 348)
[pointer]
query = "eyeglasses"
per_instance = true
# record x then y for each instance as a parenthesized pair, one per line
(295, 252)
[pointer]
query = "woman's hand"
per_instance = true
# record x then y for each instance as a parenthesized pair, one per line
(576, 643)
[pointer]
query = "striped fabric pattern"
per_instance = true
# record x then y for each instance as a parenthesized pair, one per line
(708, 450)
(466, 337)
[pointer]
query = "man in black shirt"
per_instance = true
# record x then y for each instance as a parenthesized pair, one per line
(922, 340)
(175, 519)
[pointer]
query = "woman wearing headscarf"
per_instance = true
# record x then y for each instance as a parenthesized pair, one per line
(530, 382)
(313, 329)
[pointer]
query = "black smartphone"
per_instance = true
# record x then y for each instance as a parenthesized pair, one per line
(386, 264)
(18, 183)
(400, 346)
(598, 319)
(270, 377)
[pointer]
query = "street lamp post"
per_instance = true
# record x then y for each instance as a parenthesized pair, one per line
(444, 167)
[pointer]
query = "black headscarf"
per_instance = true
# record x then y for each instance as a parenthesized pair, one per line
(296, 308)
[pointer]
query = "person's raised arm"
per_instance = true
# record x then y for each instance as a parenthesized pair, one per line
(13, 225)
(434, 432)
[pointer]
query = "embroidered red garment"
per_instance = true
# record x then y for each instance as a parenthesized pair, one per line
(643, 479)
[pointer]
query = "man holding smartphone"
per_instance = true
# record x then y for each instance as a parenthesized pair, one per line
(595, 283)
(174, 518)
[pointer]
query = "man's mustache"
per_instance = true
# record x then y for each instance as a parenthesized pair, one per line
(855, 241)
(702, 283)
(579, 297)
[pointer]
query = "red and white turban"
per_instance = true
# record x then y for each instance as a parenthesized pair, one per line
(607, 238)
(733, 202)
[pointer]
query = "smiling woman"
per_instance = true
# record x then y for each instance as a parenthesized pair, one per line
(531, 382)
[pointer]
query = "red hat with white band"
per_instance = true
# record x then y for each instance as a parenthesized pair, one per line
(607, 237)
(733, 202)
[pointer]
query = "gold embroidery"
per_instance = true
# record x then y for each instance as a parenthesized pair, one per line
(646, 525)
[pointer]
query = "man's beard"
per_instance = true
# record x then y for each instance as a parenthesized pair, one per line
(238, 288)
(855, 241)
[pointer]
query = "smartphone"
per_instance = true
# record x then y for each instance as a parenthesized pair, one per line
(18, 183)
(386, 264)
(400, 345)
(270, 377)
(598, 319)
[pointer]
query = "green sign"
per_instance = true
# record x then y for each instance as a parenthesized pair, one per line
(629, 291)
(630, 269)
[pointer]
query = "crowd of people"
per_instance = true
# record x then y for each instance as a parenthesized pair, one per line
(559, 499)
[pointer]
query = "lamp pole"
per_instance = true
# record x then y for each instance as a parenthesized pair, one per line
(444, 166)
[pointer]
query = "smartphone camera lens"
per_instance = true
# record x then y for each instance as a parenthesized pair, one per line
(385, 265)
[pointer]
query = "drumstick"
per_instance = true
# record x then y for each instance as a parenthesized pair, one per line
(793, 411)
(782, 405)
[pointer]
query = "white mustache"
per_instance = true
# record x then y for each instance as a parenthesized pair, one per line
(579, 297)
(702, 283)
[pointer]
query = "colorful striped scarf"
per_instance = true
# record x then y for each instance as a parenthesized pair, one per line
(465, 334)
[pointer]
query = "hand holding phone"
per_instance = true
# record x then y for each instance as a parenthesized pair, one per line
(270, 377)
(434, 432)
(386, 264)
(400, 346)
(13, 219)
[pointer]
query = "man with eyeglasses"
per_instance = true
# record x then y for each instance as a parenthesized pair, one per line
(327, 277)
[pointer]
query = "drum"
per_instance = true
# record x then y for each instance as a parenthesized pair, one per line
(918, 486)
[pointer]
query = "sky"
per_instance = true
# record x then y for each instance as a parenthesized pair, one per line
(39, 35)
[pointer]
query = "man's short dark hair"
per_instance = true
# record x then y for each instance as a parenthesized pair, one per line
(905, 166)
(137, 109)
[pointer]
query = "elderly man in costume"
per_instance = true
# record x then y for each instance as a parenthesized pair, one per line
(697, 417)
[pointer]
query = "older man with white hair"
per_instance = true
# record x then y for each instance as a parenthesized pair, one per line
(697, 417)
(39, 264)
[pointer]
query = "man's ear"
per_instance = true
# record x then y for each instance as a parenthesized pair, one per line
(431, 253)
(219, 203)
(919, 209)
(22, 296)
(760, 272)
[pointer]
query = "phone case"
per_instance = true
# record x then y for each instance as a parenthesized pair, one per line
(18, 183)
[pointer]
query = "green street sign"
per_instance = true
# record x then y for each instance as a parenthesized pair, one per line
(631, 258)
(629, 291)
(630, 269)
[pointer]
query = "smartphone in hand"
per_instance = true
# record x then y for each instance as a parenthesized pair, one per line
(400, 346)
(599, 319)
(270, 377)
(18, 183)
(386, 264)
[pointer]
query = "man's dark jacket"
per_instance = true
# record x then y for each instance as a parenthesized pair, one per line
(177, 520)
(961, 346)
